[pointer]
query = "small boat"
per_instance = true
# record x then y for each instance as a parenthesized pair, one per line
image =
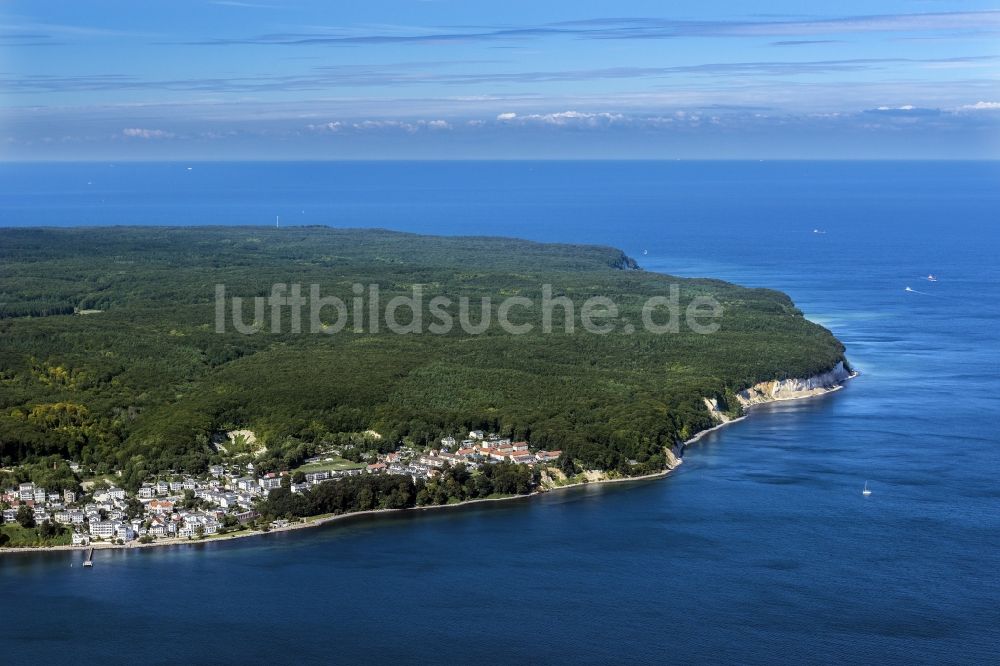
(89, 562)
(931, 278)
(866, 492)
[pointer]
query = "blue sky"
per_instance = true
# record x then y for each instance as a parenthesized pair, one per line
(453, 79)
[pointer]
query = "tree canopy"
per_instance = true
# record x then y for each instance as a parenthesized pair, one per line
(144, 383)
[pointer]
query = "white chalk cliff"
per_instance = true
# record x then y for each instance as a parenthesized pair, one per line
(786, 389)
(792, 389)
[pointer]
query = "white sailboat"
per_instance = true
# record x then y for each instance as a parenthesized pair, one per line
(866, 492)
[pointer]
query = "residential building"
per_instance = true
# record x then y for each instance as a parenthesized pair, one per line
(434, 460)
(158, 526)
(247, 484)
(104, 529)
(270, 482)
(245, 516)
(317, 477)
(160, 507)
(226, 500)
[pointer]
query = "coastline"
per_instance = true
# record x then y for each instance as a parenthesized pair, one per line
(316, 521)
(810, 391)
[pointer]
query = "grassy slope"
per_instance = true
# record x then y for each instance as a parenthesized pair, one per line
(22, 537)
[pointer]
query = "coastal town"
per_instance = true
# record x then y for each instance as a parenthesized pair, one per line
(225, 499)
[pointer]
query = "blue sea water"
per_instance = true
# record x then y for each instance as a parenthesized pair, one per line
(759, 549)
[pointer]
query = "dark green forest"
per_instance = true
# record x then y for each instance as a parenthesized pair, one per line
(142, 384)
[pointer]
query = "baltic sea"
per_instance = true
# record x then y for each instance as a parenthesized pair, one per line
(760, 548)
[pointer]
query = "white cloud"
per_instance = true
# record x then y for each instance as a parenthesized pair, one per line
(140, 133)
(565, 118)
(904, 111)
(334, 126)
(981, 106)
(384, 124)
(338, 126)
(937, 21)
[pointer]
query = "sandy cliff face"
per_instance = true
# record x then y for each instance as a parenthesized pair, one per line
(717, 414)
(787, 389)
(790, 389)
(673, 455)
